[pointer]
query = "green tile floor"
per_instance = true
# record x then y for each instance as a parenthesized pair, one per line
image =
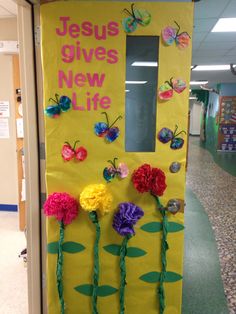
(202, 285)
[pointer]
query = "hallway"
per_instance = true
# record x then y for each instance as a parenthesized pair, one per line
(216, 190)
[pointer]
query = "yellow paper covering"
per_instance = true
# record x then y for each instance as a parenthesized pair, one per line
(72, 177)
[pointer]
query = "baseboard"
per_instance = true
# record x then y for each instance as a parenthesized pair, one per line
(8, 208)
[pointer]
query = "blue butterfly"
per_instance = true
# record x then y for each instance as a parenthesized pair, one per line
(106, 130)
(166, 135)
(63, 104)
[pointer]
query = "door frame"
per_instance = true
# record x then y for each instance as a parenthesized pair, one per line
(31, 147)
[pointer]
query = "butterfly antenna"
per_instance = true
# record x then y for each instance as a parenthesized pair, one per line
(176, 128)
(132, 9)
(118, 118)
(170, 82)
(67, 143)
(53, 100)
(57, 98)
(178, 28)
(106, 117)
(112, 163)
(75, 144)
(127, 11)
(180, 133)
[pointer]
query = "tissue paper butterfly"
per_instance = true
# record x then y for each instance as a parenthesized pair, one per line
(113, 171)
(166, 135)
(68, 152)
(171, 34)
(137, 16)
(166, 90)
(63, 104)
(106, 130)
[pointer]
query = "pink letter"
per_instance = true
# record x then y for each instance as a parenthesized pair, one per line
(100, 53)
(63, 32)
(112, 54)
(96, 32)
(95, 80)
(68, 53)
(80, 79)
(74, 30)
(113, 28)
(87, 29)
(105, 102)
(68, 80)
(88, 57)
(74, 105)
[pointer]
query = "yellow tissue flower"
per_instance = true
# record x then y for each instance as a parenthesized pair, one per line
(95, 197)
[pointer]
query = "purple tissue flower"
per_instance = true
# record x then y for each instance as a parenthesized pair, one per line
(126, 217)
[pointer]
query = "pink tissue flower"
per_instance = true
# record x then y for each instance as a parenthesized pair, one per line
(61, 205)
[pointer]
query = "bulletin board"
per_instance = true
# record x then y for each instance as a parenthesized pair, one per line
(88, 65)
(227, 124)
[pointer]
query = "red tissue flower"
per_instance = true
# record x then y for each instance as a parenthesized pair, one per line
(148, 179)
(81, 153)
(61, 205)
(141, 178)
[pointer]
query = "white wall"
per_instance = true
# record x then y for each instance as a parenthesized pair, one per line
(8, 157)
(195, 118)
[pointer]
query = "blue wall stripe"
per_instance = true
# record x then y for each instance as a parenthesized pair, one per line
(8, 208)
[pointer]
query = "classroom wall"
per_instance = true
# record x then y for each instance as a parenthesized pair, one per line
(8, 157)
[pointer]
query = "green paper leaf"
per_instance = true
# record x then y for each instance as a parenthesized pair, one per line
(72, 247)
(68, 247)
(135, 252)
(86, 289)
(103, 291)
(174, 227)
(113, 249)
(53, 247)
(156, 226)
(154, 277)
(152, 227)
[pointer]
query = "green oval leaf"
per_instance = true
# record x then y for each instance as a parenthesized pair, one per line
(135, 252)
(72, 247)
(174, 227)
(152, 227)
(154, 277)
(104, 291)
(53, 247)
(85, 289)
(113, 249)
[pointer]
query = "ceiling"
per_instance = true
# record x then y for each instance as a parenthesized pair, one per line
(208, 48)
(8, 8)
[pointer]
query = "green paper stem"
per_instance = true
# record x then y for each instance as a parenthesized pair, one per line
(123, 253)
(59, 271)
(164, 248)
(94, 219)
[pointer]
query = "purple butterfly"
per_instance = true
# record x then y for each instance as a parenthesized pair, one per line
(106, 130)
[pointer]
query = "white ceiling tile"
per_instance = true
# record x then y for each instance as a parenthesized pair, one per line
(4, 13)
(211, 53)
(230, 10)
(204, 25)
(207, 60)
(10, 6)
(198, 37)
(232, 52)
(228, 60)
(216, 45)
(221, 37)
(209, 8)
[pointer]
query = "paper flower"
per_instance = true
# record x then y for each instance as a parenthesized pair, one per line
(124, 220)
(95, 197)
(126, 217)
(141, 178)
(81, 153)
(62, 206)
(148, 179)
(65, 209)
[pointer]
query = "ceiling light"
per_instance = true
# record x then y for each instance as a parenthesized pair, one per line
(225, 25)
(135, 82)
(192, 97)
(219, 67)
(190, 90)
(198, 82)
(144, 64)
(127, 90)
